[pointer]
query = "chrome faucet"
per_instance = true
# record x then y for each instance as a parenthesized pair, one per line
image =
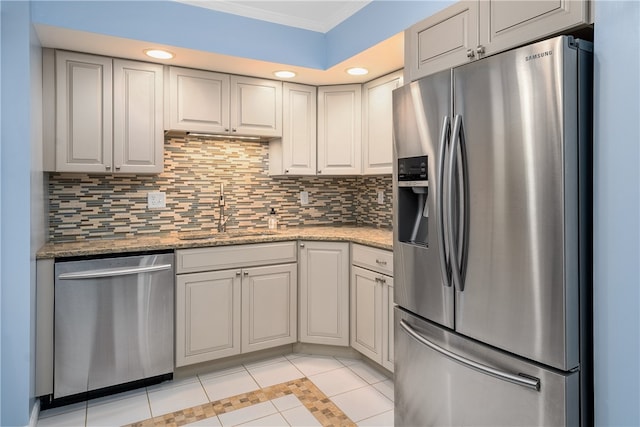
(222, 221)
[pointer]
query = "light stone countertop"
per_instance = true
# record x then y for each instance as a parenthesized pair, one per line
(375, 237)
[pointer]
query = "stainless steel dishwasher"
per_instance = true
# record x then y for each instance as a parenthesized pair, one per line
(113, 322)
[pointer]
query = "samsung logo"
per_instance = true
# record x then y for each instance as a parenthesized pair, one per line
(538, 55)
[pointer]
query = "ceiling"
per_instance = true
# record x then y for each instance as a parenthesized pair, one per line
(312, 15)
(380, 59)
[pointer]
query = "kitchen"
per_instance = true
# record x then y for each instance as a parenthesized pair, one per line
(17, 303)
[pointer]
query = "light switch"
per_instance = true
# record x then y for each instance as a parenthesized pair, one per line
(381, 197)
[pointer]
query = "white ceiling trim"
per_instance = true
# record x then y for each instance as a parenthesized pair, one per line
(319, 16)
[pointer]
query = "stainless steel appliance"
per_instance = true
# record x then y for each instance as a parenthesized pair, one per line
(492, 241)
(113, 322)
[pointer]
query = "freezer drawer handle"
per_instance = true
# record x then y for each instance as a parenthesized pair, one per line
(520, 379)
(110, 272)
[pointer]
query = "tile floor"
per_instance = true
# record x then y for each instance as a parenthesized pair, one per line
(292, 390)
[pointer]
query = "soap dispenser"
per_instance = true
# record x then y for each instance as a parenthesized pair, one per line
(273, 220)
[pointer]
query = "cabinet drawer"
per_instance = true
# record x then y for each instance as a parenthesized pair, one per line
(223, 257)
(372, 258)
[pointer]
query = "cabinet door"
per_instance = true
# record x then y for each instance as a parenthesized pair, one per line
(441, 41)
(269, 306)
(83, 113)
(198, 101)
(138, 138)
(256, 106)
(366, 313)
(506, 24)
(377, 130)
(207, 316)
(339, 130)
(324, 293)
(299, 129)
(387, 323)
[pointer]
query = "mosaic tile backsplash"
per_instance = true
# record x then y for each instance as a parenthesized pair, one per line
(111, 206)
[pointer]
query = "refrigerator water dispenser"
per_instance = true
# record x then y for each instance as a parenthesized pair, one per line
(413, 200)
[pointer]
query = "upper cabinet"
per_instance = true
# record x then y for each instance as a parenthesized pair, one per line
(377, 124)
(295, 153)
(209, 102)
(198, 101)
(339, 130)
(470, 30)
(102, 115)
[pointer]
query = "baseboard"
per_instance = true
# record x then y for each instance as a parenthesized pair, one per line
(35, 414)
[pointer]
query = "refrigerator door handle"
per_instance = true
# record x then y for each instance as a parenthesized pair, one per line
(519, 379)
(458, 248)
(445, 269)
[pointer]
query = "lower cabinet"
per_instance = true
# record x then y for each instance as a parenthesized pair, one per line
(372, 304)
(222, 313)
(208, 312)
(269, 306)
(324, 292)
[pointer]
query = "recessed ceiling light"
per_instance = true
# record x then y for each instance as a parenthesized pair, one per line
(285, 74)
(357, 71)
(159, 53)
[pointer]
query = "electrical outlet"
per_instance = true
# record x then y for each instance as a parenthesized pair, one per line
(381, 197)
(156, 200)
(304, 198)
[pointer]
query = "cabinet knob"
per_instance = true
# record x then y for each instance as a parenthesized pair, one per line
(470, 53)
(226, 129)
(319, 171)
(480, 50)
(117, 168)
(238, 273)
(381, 262)
(246, 273)
(286, 171)
(302, 245)
(233, 130)
(108, 168)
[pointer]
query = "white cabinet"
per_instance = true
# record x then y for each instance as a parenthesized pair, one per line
(372, 304)
(256, 106)
(207, 316)
(106, 114)
(234, 299)
(377, 119)
(324, 293)
(198, 101)
(209, 102)
(469, 30)
(269, 306)
(339, 130)
(295, 153)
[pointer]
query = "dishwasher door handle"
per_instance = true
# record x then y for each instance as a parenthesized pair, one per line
(111, 272)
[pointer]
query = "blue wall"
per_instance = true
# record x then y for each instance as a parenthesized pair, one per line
(617, 182)
(616, 214)
(16, 256)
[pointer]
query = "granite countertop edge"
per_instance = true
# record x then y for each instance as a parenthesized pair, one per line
(369, 236)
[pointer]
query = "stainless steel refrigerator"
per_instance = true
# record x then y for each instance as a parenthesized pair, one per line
(492, 220)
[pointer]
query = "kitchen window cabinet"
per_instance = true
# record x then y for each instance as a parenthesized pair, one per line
(339, 130)
(295, 153)
(209, 102)
(234, 299)
(377, 130)
(469, 30)
(324, 293)
(372, 304)
(106, 114)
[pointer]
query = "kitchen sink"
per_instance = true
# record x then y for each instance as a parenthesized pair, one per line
(222, 235)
